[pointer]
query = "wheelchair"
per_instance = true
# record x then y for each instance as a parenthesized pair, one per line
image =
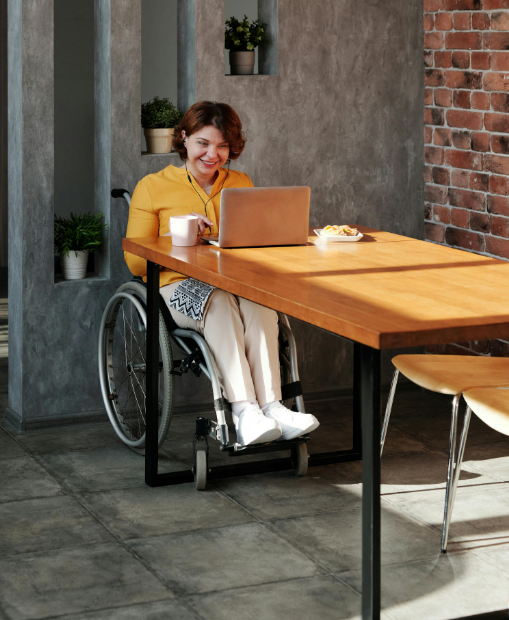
(122, 368)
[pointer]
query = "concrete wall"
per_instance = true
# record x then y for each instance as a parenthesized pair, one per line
(3, 136)
(343, 114)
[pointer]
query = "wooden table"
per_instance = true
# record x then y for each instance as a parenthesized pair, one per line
(383, 292)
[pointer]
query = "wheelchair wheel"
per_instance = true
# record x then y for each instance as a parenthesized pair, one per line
(300, 459)
(200, 470)
(286, 375)
(122, 366)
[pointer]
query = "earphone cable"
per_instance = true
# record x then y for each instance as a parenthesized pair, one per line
(220, 190)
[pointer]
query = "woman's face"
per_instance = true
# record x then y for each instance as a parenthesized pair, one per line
(207, 150)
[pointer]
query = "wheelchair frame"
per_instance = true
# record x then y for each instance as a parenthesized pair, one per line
(201, 360)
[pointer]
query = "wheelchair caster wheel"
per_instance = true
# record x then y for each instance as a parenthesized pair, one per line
(200, 470)
(300, 459)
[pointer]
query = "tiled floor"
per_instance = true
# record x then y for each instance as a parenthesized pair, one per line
(82, 537)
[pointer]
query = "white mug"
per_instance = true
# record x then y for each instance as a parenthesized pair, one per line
(184, 230)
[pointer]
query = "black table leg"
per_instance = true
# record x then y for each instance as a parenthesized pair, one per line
(369, 392)
(152, 374)
(357, 420)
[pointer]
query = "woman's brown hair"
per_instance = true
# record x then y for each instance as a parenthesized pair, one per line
(219, 115)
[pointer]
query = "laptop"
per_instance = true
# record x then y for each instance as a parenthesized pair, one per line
(263, 216)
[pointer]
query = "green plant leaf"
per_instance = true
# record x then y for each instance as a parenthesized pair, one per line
(78, 232)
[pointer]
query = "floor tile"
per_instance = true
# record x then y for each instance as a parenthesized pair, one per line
(47, 523)
(218, 559)
(75, 580)
(331, 437)
(415, 471)
(330, 411)
(282, 494)
(23, 478)
(102, 468)
(335, 539)
(142, 512)
(321, 597)
(450, 586)
(170, 609)
(70, 438)
(492, 459)
(9, 448)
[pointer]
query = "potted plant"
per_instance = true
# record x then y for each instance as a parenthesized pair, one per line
(75, 237)
(158, 119)
(241, 38)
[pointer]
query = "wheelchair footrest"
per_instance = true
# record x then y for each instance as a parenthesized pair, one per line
(259, 448)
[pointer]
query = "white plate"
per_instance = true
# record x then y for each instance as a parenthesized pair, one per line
(334, 238)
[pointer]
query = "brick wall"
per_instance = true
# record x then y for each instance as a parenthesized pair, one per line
(466, 133)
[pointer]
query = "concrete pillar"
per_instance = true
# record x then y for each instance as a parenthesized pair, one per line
(3, 137)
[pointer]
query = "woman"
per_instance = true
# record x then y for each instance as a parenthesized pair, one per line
(242, 335)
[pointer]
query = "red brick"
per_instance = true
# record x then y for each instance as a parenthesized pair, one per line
(480, 222)
(496, 122)
(500, 144)
(490, 5)
(428, 174)
(434, 193)
(500, 21)
(460, 218)
(462, 5)
(468, 120)
(461, 140)
(443, 97)
(480, 21)
(480, 141)
(461, 99)
(434, 232)
(441, 215)
(461, 60)
(433, 5)
(499, 348)
(441, 176)
(428, 211)
(458, 79)
(464, 159)
(496, 81)
(480, 60)
(497, 246)
(479, 181)
(443, 59)
(443, 21)
(475, 201)
(500, 102)
(433, 116)
(428, 58)
(496, 164)
(464, 239)
(464, 41)
(499, 185)
(500, 61)
(429, 21)
(442, 137)
(498, 205)
(480, 101)
(434, 77)
(428, 96)
(495, 40)
(428, 135)
(433, 40)
(461, 21)
(460, 178)
(499, 226)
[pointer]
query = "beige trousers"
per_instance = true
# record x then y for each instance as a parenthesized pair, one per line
(242, 337)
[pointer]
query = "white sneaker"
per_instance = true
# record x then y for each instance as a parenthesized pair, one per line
(293, 424)
(253, 427)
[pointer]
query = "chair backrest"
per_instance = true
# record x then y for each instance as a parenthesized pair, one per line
(121, 193)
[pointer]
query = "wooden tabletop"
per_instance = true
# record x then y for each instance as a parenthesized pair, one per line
(385, 291)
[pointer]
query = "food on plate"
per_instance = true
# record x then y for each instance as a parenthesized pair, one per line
(340, 231)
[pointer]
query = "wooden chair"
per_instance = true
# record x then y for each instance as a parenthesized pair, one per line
(452, 375)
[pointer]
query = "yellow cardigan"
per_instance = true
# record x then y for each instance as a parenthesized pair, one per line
(169, 192)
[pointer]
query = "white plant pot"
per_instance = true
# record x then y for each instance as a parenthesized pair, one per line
(75, 267)
(159, 140)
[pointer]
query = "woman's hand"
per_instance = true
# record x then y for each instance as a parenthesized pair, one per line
(203, 222)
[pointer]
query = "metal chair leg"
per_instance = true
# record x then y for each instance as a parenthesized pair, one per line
(388, 409)
(450, 471)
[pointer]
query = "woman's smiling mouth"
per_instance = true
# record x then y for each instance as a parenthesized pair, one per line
(209, 164)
